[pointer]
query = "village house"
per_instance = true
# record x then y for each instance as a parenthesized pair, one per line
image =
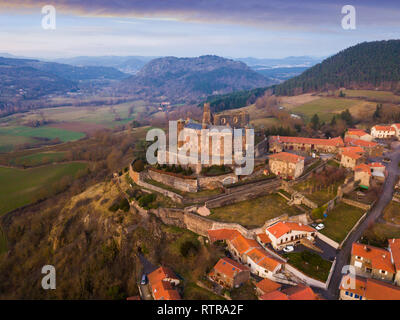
(299, 292)
(263, 264)
(371, 148)
(286, 165)
(285, 233)
(305, 145)
(378, 171)
(163, 282)
(362, 173)
(248, 251)
(229, 273)
(266, 286)
(394, 248)
(372, 262)
(396, 127)
(351, 158)
(383, 132)
(367, 289)
(358, 134)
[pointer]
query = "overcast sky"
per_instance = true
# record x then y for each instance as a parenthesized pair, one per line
(230, 28)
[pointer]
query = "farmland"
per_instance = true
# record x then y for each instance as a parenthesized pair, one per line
(66, 123)
(20, 187)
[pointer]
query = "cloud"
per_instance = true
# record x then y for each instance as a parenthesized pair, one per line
(311, 15)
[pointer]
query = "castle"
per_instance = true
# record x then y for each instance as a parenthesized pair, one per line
(219, 134)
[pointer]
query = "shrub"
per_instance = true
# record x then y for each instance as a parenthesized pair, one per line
(189, 248)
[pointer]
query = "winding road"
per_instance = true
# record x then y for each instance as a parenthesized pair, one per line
(343, 255)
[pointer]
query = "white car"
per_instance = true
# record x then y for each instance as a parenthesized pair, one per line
(320, 226)
(288, 249)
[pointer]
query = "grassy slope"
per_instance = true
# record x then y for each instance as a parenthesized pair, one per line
(39, 158)
(340, 221)
(20, 187)
(253, 213)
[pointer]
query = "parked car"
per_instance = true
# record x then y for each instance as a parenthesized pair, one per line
(320, 226)
(144, 280)
(288, 249)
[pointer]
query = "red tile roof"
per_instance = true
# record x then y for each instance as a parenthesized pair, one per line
(266, 285)
(380, 258)
(242, 244)
(373, 289)
(351, 154)
(222, 234)
(383, 128)
(263, 259)
(229, 267)
(274, 295)
(397, 125)
(376, 165)
(162, 289)
(394, 246)
(280, 228)
(286, 157)
(301, 292)
(323, 142)
(379, 290)
(363, 167)
(264, 238)
(359, 142)
(356, 132)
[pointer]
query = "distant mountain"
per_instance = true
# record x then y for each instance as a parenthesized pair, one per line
(192, 79)
(368, 65)
(128, 64)
(22, 80)
(279, 74)
(288, 62)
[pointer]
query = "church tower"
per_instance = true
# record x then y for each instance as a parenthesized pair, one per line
(207, 116)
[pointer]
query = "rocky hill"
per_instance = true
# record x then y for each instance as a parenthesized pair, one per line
(191, 79)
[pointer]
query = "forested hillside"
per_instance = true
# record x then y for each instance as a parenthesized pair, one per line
(368, 65)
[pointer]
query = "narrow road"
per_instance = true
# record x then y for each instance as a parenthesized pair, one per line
(343, 256)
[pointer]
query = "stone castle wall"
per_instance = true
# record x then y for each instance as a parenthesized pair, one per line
(182, 184)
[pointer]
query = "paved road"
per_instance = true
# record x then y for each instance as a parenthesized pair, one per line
(386, 196)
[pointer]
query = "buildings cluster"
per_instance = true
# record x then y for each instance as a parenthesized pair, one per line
(256, 257)
(377, 270)
(287, 160)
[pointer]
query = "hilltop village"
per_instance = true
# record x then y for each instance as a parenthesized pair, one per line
(289, 228)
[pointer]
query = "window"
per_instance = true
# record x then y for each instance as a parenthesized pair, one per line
(356, 296)
(346, 293)
(351, 294)
(383, 271)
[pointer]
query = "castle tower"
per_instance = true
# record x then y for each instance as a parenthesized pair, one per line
(180, 127)
(207, 116)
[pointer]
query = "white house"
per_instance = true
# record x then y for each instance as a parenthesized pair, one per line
(262, 264)
(383, 132)
(285, 233)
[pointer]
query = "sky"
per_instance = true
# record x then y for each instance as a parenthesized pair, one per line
(186, 28)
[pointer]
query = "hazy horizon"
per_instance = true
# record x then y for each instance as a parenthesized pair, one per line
(260, 29)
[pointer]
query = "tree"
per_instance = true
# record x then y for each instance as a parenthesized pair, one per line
(378, 112)
(315, 122)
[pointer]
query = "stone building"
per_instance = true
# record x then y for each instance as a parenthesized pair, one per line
(163, 282)
(351, 158)
(305, 145)
(372, 262)
(371, 148)
(358, 134)
(362, 173)
(220, 135)
(286, 165)
(229, 273)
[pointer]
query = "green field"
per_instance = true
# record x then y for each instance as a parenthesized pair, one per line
(310, 264)
(39, 158)
(340, 221)
(11, 136)
(327, 107)
(20, 187)
(379, 233)
(253, 213)
(381, 96)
